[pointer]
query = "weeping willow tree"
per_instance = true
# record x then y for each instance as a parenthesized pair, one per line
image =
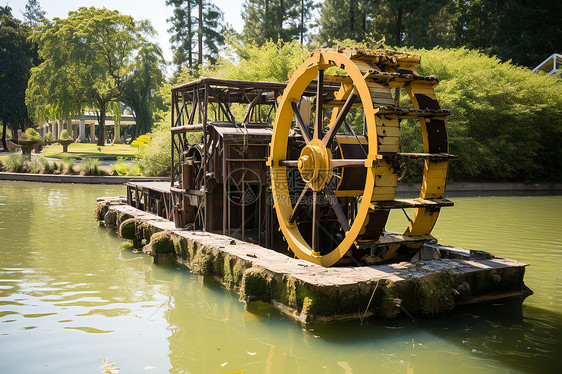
(88, 58)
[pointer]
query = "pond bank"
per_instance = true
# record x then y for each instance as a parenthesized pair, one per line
(441, 279)
(487, 186)
(78, 179)
(454, 186)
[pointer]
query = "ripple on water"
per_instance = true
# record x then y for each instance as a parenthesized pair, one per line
(89, 330)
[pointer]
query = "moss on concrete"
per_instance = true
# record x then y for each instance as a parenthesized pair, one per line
(255, 285)
(181, 247)
(122, 217)
(191, 248)
(324, 300)
(226, 272)
(101, 210)
(147, 230)
(110, 219)
(130, 230)
(436, 293)
(390, 292)
(162, 243)
(203, 261)
(238, 272)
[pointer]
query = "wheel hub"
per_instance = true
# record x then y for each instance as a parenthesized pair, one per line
(314, 165)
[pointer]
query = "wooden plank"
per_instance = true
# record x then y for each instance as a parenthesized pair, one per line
(411, 156)
(393, 238)
(411, 203)
(386, 180)
(388, 131)
(387, 140)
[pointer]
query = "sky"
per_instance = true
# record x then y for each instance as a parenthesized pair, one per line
(155, 11)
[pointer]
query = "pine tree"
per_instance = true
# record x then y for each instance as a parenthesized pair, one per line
(524, 31)
(477, 23)
(197, 32)
(344, 19)
(305, 15)
(401, 22)
(213, 30)
(276, 20)
(182, 31)
(33, 14)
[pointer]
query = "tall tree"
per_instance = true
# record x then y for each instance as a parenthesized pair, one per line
(87, 58)
(16, 60)
(420, 23)
(182, 31)
(523, 31)
(276, 20)
(139, 91)
(33, 14)
(305, 15)
(344, 19)
(529, 31)
(197, 32)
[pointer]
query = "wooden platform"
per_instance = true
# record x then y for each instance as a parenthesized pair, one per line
(439, 279)
(152, 196)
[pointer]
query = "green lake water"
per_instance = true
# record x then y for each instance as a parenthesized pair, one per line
(71, 295)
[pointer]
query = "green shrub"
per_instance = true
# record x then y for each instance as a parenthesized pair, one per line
(154, 158)
(47, 168)
(69, 162)
(140, 141)
(90, 166)
(31, 134)
(49, 137)
(1, 166)
(16, 163)
(507, 120)
(272, 61)
(35, 166)
(128, 169)
(64, 135)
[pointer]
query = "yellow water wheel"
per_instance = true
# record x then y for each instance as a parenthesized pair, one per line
(333, 186)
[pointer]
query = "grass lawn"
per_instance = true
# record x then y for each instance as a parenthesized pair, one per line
(83, 150)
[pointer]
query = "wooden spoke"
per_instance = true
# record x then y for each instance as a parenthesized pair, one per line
(338, 163)
(350, 129)
(298, 205)
(339, 119)
(337, 208)
(319, 116)
(315, 222)
(300, 123)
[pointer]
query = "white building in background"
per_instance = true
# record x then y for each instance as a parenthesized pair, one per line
(551, 65)
(83, 127)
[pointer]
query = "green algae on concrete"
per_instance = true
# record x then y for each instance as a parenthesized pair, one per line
(311, 293)
(161, 243)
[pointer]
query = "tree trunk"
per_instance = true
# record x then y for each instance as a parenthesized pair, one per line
(398, 19)
(200, 33)
(352, 20)
(280, 19)
(302, 22)
(363, 24)
(189, 36)
(137, 127)
(4, 135)
(101, 121)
